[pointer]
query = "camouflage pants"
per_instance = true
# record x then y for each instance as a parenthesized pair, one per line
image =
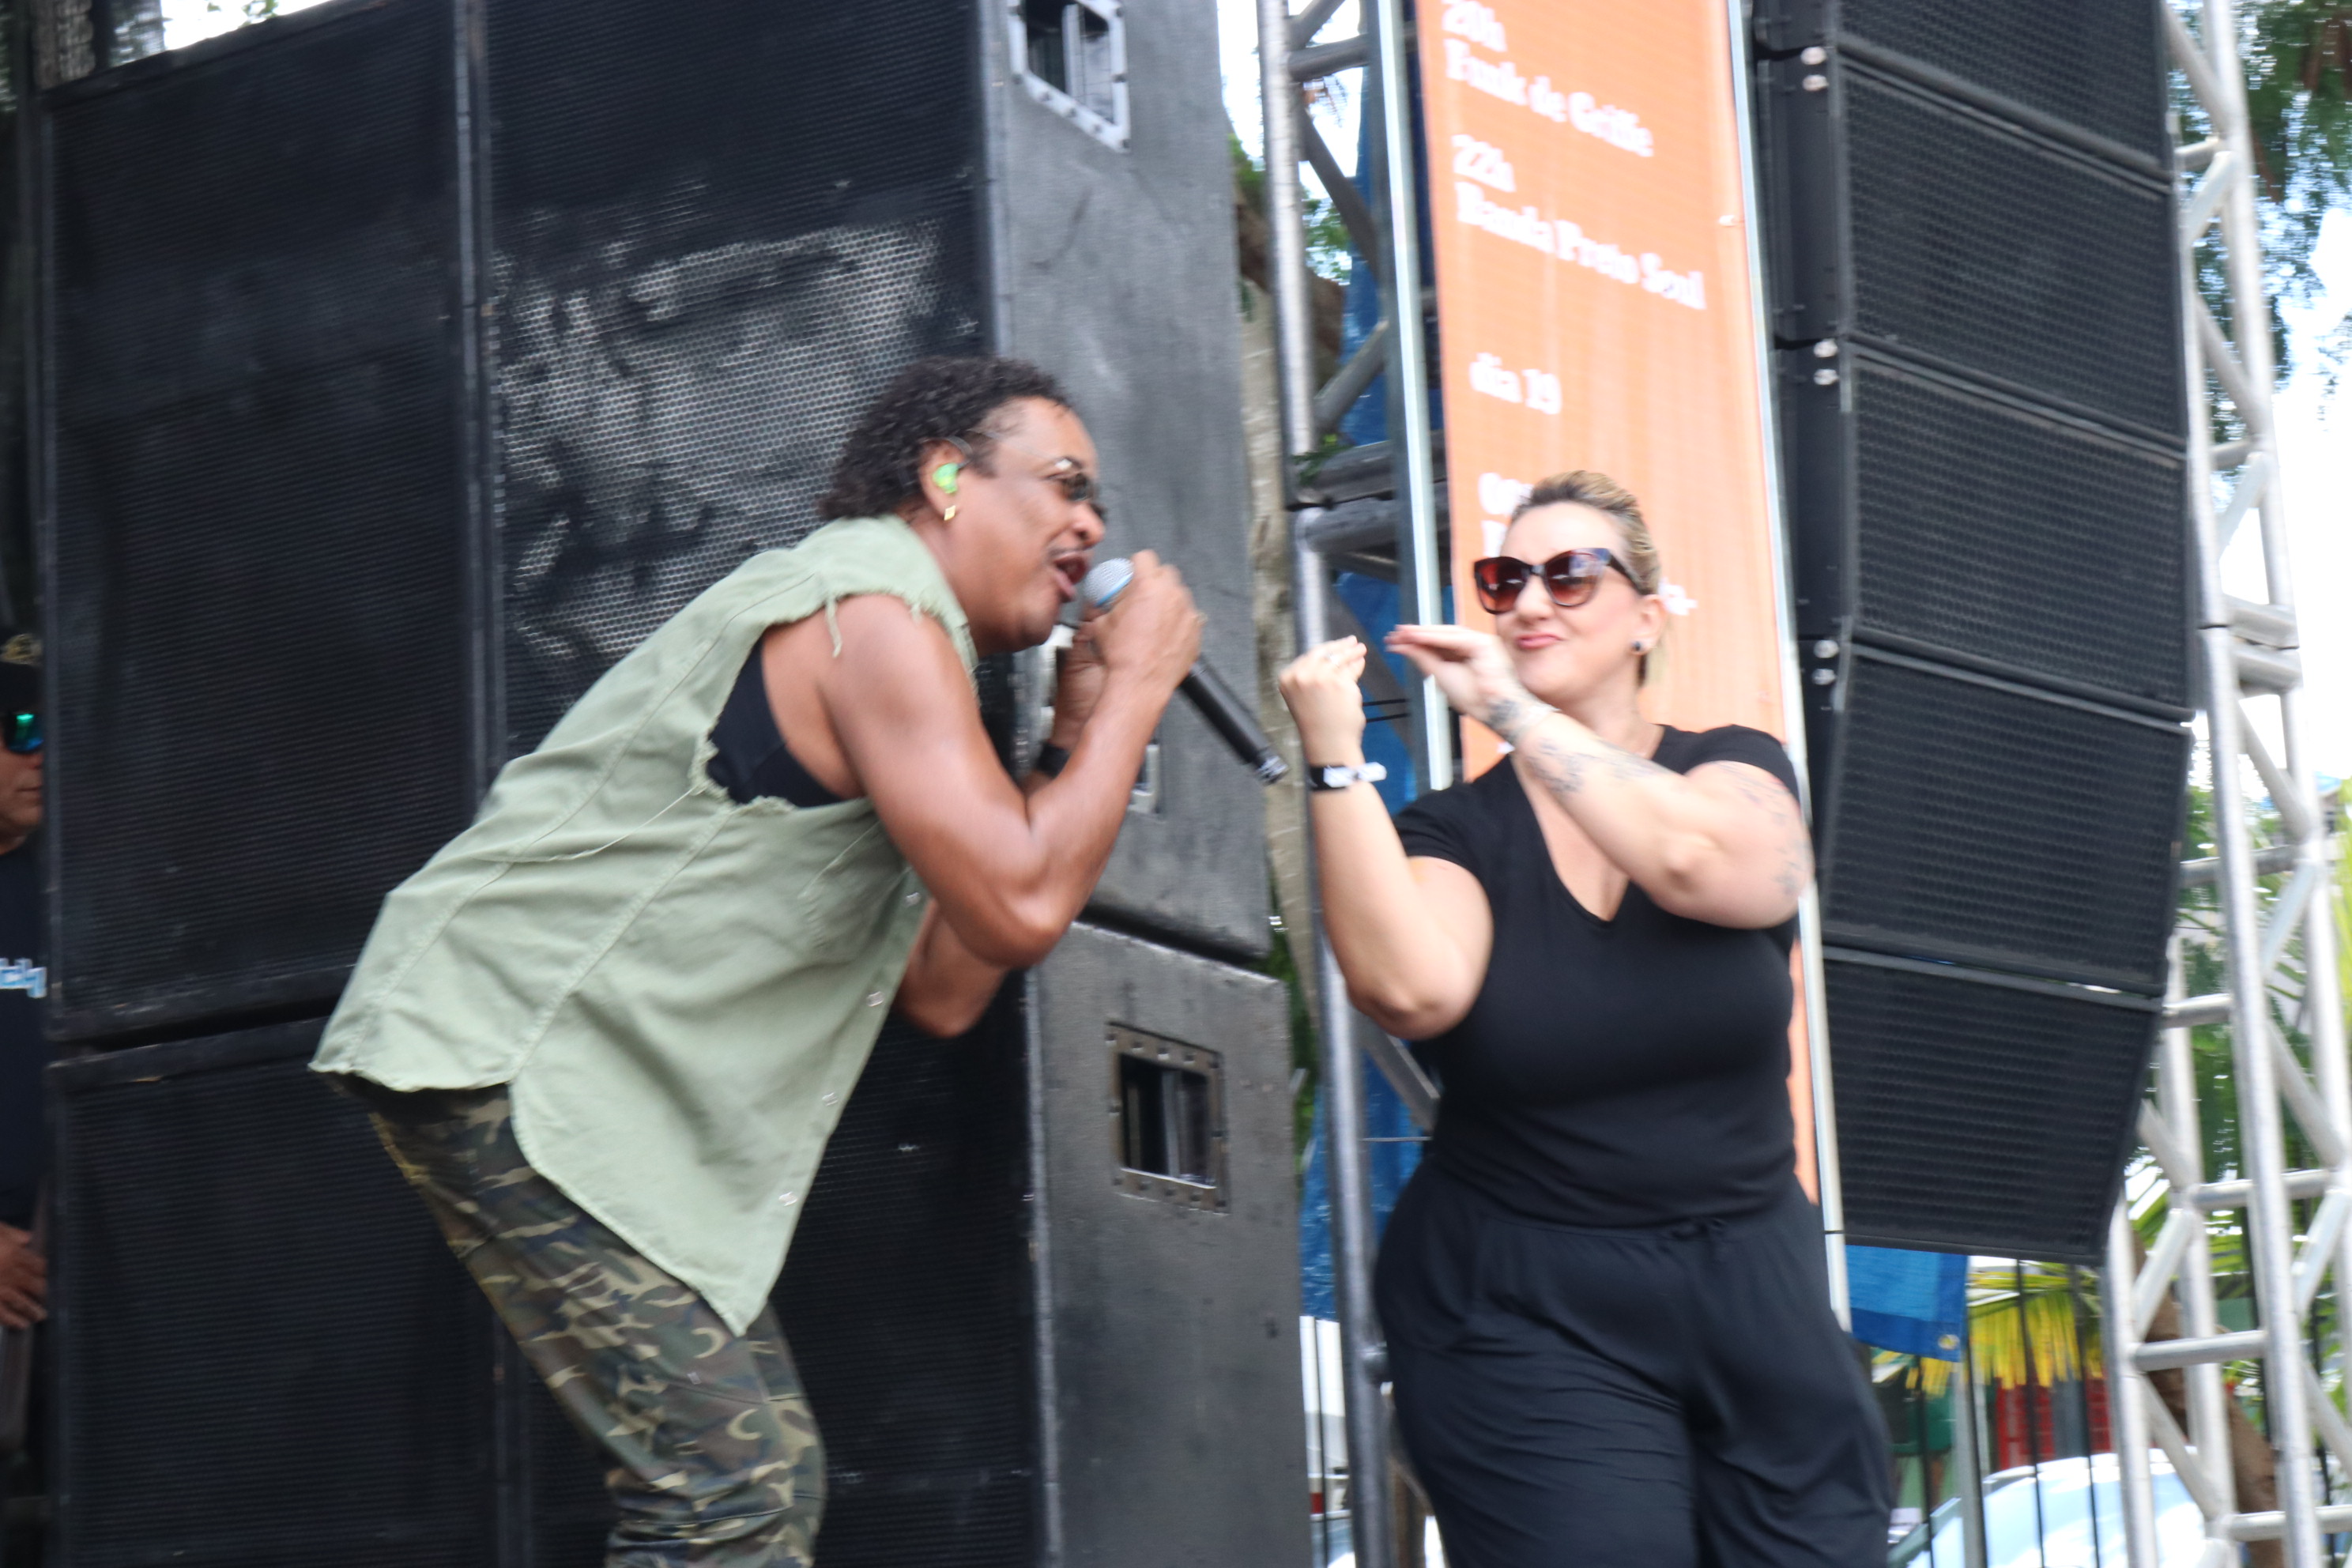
(715, 1460)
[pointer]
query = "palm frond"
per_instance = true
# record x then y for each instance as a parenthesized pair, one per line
(2032, 1338)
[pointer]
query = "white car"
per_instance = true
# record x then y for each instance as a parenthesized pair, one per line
(2078, 1522)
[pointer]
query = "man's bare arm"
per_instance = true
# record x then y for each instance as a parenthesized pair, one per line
(1009, 871)
(24, 1280)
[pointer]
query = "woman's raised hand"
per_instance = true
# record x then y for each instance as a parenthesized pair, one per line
(1473, 673)
(1320, 687)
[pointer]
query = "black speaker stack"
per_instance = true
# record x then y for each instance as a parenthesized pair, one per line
(1975, 312)
(403, 364)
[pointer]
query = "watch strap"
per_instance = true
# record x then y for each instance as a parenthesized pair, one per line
(1340, 775)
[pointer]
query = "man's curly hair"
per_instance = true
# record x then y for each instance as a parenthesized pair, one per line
(930, 400)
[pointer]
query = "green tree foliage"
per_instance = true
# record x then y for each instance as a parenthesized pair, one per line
(2298, 56)
(1326, 236)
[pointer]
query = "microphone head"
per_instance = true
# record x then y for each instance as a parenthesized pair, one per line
(1105, 582)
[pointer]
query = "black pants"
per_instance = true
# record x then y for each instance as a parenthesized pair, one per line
(1650, 1398)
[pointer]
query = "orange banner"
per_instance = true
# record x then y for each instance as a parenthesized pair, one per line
(1593, 289)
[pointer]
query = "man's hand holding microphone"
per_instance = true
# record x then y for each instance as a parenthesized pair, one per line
(1107, 587)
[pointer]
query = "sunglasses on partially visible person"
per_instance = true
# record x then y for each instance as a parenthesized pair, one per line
(20, 733)
(1571, 577)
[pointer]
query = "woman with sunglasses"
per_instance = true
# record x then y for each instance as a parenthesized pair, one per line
(1603, 1289)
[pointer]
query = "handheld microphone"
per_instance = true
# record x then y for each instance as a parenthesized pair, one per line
(1209, 697)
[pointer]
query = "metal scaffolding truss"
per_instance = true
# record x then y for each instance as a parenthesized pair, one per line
(2247, 653)
(1288, 57)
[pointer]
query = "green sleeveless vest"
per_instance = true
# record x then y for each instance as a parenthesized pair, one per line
(680, 991)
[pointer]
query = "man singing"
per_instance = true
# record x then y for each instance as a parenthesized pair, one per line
(608, 1030)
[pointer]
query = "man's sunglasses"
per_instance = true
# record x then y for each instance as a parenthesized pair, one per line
(1571, 577)
(20, 733)
(1078, 487)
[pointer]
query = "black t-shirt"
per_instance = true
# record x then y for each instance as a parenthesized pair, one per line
(1620, 1072)
(23, 1050)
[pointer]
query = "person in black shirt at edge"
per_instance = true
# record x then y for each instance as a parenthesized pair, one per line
(24, 1053)
(1603, 1290)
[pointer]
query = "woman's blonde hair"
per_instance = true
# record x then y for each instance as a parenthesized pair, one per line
(1585, 487)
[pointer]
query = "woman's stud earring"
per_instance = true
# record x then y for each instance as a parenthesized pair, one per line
(1641, 647)
(948, 515)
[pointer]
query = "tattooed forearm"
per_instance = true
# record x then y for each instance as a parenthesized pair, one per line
(1795, 848)
(1760, 791)
(1796, 867)
(1566, 772)
(1509, 716)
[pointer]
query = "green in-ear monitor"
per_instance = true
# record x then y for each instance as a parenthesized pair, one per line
(944, 477)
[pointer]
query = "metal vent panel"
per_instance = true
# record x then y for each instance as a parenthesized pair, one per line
(2003, 257)
(714, 240)
(2095, 64)
(2021, 540)
(1975, 1118)
(1995, 827)
(255, 586)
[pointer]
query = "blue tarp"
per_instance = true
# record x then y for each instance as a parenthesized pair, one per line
(1913, 1302)
(1393, 1154)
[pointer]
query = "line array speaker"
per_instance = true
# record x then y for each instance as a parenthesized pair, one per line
(1043, 1299)
(405, 361)
(1975, 330)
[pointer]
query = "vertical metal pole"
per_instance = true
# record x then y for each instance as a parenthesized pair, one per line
(1423, 573)
(1827, 1179)
(1361, 1355)
(1294, 306)
(2271, 1219)
(2126, 1390)
(1351, 1208)
(2217, 77)
(2323, 1005)
(1967, 1445)
(1827, 1175)
(1362, 1365)
(2208, 1411)
(2033, 1428)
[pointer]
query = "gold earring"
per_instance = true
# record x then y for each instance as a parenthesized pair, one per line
(948, 515)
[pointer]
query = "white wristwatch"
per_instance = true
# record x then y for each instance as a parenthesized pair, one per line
(1337, 775)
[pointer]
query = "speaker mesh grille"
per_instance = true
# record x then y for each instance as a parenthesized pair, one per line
(2097, 64)
(570, 1510)
(718, 229)
(906, 1301)
(270, 1359)
(256, 615)
(1991, 482)
(1977, 1118)
(1995, 534)
(1997, 256)
(1991, 826)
